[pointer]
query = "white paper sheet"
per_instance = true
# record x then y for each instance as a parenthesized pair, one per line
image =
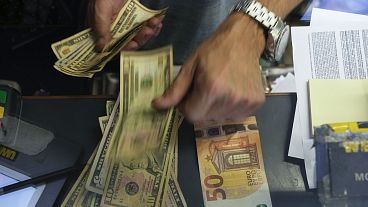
(284, 84)
(320, 17)
(296, 142)
(333, 52)
(324, 17)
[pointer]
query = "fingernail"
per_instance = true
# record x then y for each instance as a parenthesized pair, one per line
(157, 30)
(158, 27)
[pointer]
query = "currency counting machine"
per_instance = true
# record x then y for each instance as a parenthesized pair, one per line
(28, 150)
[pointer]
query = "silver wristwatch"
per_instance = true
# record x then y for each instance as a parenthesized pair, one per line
(277, 30)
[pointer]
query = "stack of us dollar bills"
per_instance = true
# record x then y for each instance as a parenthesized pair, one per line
(136, 162)
(77, 55)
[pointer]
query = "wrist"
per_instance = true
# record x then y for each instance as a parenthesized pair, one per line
(246, 31)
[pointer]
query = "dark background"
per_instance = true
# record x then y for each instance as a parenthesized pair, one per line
(27, 30)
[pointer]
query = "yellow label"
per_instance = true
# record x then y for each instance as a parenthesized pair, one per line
(349, 126)
(8, 153)
(1, 112)
(355, 146)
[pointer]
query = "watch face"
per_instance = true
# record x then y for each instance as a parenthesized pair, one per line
(282, 43)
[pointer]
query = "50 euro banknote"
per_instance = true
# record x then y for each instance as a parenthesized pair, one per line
(231, 164)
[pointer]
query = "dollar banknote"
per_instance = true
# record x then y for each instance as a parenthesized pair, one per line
(66, 46)
(175, 162)
(78, 190)
(81, 197)
(97, 176)
(145, 75)
(109, 106)
(172, 195)
(78, 56)
(144, 148)
(88, 199)
(135, 82)
(175, 197)
(136, 162)
(103, 120)
(139, 180)
(231, 164)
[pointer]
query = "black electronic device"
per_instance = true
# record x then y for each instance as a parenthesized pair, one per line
(18, 159)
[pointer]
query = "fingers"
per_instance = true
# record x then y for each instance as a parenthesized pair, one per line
(158, 30)
(154, 22)
(102, 22)
(203, 106)
(105, 11)
(132, 45)
(179, 87)
(196, 109)
(195, 106)
(152, 29)
(238, 113)
(144, 35)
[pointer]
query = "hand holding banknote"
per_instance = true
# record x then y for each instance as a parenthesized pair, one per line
(221, 80)
(103, 12)
(130, 27)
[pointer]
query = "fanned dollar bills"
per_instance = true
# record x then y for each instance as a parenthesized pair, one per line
(77, 55)
(135, 163)
(231, 164)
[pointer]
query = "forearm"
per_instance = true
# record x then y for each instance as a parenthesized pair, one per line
(280, 7)
(247, 29)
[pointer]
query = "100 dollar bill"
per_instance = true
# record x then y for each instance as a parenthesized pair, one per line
(231, 164)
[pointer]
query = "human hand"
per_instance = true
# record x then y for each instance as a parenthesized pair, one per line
(221, 80)
(102, 13)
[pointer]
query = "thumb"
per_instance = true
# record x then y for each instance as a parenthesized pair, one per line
(179, 88)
